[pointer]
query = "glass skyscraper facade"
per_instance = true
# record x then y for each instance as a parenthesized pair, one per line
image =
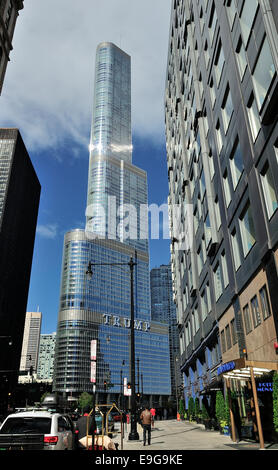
(116, 229)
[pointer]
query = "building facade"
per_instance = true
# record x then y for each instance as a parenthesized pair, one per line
(9, 11)
(19, 202)
(46, 357)
(31, 341)
(99, 308)
(163, 310)
(221, 127)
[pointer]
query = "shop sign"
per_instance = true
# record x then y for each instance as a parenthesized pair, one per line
(265, 387)
(226, 367)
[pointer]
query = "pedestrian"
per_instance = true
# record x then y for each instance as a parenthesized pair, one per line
(146, 420)
(153, 415)
(81, 426)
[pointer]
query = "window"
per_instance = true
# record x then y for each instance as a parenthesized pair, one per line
(255, 311)
(208, 297)
(228, 337)
(233, 331)
(265, 303)
(207, 229)
(219, 137)
(224, 269)
(254, 118)
(235, 248)
(269, 190)
(236, 164)
(217, 213)
(247, 229)
(223, 343)
(218, 286)
(211, 165)
(212, 22)
(195, 321)
(241, 58)
(227, 109)
(247, 17)
(204, 305)
(212, 93)
(231, 11)
(247, 319)
(227, 191)
(219, 63)
(263, 73)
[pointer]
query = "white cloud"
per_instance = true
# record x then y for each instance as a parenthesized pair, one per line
(48, 89)
(48, 230)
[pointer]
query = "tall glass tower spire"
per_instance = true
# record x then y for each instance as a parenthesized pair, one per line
(100, 308)
(117, 190)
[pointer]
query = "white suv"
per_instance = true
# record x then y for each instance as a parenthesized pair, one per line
(57, 430)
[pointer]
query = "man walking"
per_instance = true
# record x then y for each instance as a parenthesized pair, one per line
(146, 420)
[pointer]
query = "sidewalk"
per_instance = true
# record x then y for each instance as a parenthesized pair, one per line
(183, 435)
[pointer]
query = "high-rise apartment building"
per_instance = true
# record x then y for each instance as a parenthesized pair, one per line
(9, 11)
(46, 357)
(31, 341)
(222, 142)
(99, 308)
(19, 202)
(164, 310)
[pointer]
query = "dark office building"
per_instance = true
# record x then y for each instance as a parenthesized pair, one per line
(222, 143)
(19, 202)
(9, 11)
(164, 310)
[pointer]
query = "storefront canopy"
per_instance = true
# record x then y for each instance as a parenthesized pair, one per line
(241, 369)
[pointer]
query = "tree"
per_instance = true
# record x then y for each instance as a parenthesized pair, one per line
(84, 400)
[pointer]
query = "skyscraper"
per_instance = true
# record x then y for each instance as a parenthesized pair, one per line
(222, 140)
(115, 230)
(31, 341)
(9, 11)
(19, 203)
(164, 310)
(46, 357)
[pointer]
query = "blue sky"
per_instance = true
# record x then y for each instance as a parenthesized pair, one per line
(62, 207)
(48, 95)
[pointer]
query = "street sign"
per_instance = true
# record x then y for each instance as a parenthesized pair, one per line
(93, 371)
(93, 350)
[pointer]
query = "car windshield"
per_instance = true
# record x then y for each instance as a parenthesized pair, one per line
(26, 425)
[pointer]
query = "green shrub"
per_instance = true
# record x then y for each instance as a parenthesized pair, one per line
(220, 408)
(197, 408)
(205, 414)
(191, 408)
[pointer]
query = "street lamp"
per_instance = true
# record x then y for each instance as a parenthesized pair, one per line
(133, 435)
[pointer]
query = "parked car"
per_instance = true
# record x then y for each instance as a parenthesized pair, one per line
(37, 429)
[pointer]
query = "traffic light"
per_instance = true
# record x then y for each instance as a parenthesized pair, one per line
(105, 384)
(129, 385)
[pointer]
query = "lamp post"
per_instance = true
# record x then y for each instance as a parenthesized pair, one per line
(133, 435)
